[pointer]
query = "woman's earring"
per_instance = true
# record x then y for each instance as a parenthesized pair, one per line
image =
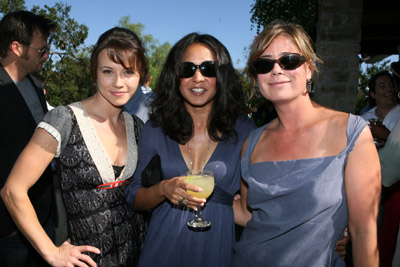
(309, 86)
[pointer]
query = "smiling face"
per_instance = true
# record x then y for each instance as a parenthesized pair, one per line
(198, 90)
(279, 84)
(115, 83)
(384, 91)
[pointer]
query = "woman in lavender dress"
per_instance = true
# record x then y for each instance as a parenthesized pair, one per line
(307, 174)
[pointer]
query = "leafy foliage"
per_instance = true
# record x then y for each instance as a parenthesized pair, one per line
(7, 6)
(69, 34)
(303, 12)
(67, 71)
(69, 80)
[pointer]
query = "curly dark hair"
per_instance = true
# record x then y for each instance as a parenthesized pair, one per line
(168, 110)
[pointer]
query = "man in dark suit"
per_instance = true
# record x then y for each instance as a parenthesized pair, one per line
(23, 50)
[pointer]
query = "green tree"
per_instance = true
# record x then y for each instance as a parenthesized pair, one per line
(7, 6)
(156, 52)
(67, 71)
(69, 80)
(365, 76)
(69, 35)
(302, 12)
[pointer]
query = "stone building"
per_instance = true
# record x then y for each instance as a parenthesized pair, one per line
(347, 29)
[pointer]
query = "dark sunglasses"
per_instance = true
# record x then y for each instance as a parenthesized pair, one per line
(286, 62)
(207, 69)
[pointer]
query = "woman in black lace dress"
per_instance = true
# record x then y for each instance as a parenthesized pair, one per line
(94, 143)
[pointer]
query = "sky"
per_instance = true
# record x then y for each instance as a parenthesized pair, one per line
(169, 20)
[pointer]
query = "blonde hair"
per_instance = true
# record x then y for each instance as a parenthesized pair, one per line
(276, 28)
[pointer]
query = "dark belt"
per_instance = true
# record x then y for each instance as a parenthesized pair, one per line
(221, 197)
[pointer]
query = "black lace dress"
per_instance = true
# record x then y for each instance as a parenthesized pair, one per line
(96, 217)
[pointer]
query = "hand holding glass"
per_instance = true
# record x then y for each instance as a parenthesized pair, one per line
(205, 180)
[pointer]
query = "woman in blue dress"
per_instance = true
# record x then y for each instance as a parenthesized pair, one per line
(198, 120)
(308, 173)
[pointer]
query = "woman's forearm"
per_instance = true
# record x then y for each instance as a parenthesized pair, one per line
(27, 170)
(24, 216)
(364, 247)
(241, 214)
(148, 198)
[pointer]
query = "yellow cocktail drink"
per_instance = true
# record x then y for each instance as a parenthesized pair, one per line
(205, 181)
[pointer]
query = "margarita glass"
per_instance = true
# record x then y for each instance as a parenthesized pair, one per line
(205, 180)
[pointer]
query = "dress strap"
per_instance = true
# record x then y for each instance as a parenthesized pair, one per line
(252, 141)
(355, 126)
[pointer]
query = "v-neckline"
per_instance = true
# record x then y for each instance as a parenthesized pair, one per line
(96, 149)
(182, 159)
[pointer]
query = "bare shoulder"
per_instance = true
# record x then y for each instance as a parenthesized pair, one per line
(333, 127)
(337, 119)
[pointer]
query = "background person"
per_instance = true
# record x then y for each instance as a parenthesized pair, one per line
(23, 51)
(389, 157)
(308, 173)
(146, 89)
(384, 116)
(43, 84)
(94, 143)
(139, 103)
(389, 244)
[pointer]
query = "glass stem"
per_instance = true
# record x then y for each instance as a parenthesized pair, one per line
(198, 216)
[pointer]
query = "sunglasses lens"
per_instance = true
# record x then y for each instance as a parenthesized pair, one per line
(261, 66)
(188, 69)
(208, 69)
(286, 62)
(291, 61)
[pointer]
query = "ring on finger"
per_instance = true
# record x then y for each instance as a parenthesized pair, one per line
(182, 202)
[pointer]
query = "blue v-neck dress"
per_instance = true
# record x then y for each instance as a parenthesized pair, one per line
(169, 241)
(299, 207)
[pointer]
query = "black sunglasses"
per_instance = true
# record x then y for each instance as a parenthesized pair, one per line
(286, 62)
(207, 69)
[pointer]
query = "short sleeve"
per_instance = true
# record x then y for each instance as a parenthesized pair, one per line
(58, 123)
